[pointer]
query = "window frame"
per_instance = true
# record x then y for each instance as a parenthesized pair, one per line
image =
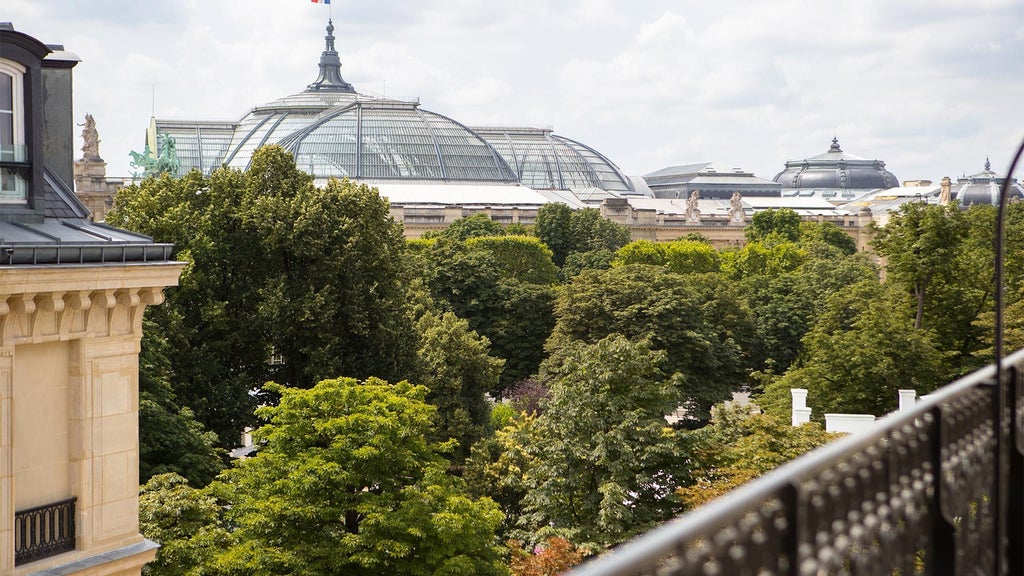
(20, 167)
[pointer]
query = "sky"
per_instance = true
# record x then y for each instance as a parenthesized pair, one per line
(931, 87)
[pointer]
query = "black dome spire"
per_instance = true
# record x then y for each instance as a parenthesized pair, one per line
(330, 79)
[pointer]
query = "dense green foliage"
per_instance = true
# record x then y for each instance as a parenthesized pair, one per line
(514, 314)
(170, 438)
(536, 367)
(566, 231)
(605, 457)
(456, 367)
(276, 265)
(738, 446)
(698, 320)
(347, 481)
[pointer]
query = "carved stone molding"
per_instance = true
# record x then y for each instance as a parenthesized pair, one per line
(63, 315)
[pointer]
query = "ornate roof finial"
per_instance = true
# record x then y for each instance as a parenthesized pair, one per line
(835, 145)
(330, 79)
(988, 165)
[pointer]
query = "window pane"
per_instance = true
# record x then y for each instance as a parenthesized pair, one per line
(7, 131)
(6, 92)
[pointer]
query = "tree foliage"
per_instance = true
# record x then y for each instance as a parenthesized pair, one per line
(274, 265)
(515, 316)
(467, 227)
(740, 445)
(522, 258)
(862, 349)
(566, 231)
(606, 461)
(185, 521)
(783, 224)
(920, 245)
(348, 482)
(170, 438)
(698, 320)
(456, 367)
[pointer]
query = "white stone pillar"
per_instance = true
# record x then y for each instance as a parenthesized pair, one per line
(908, 398)
(801, 413)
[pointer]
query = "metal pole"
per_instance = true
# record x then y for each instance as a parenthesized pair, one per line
(1004, 440)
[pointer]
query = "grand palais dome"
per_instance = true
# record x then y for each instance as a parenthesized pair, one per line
(334, 131)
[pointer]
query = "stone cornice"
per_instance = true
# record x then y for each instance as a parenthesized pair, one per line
(41, 304)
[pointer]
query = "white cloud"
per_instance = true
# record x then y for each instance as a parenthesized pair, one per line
(929, 86)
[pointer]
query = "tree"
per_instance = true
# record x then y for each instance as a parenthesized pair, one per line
(467, 227)
(920, 245)
(348, 482)
(556, 556)
(170, 438)
(862, 349)
(316, 276)
(456, 367)
(785, 306)
(740, 445)
(691, 257)
(213, 321)
(829, 234)
(592, 260)
(185, 521)
(566, 231)
(499, 467)
(698, 320)
(515, 316)
(339, 299)
(521, 258)
(606, 461)
(553, 229)
(782, 223)
(640, 252)
(758, 258)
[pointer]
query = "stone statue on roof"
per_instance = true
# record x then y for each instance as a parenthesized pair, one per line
(91, 147)
(736, 213)
(692, 212)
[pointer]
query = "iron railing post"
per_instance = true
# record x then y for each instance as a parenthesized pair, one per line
(1001, 500)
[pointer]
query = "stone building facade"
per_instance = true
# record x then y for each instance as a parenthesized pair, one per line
(72, 296)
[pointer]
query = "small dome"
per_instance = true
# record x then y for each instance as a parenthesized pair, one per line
(983, 188)
(836, 169)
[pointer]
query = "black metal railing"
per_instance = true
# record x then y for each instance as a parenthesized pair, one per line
(915, 495)
(44, 531)
(937, 489)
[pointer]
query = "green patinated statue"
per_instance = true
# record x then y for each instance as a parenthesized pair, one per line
(151, 165)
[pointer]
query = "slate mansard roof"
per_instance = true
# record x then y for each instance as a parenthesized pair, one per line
(52, 226)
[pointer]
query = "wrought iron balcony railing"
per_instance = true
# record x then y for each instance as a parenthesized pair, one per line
(44, 531)
(923, 493)
(938, 489)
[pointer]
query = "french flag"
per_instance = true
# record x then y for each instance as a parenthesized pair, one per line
(321, 1)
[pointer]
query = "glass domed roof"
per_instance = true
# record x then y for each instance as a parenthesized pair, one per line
(546, 161)
(334, 131)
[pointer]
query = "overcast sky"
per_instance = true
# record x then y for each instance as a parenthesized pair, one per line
(929, 86)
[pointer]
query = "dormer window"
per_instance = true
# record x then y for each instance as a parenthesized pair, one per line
(14, 161)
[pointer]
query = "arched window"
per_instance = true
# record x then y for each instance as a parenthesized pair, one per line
(14, 159)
